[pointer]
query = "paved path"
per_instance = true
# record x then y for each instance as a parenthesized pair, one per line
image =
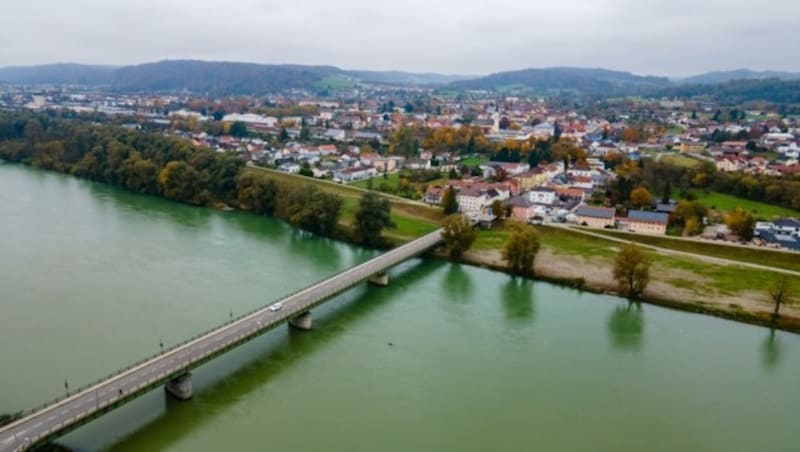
(61, 416)
(710, 259)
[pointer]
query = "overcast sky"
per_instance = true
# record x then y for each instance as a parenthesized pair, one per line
(661, 37)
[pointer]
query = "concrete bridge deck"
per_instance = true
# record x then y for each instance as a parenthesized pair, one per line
(172, 367)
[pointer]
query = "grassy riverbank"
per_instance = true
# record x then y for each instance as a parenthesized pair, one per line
(411, 219)
(571, 258)
(760, 256)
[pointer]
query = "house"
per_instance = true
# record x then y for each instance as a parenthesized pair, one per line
(335, 134)
(471, 199)
(418, 164)
(596, 217)
(728, 164)
(292, 168)
(787, 226)
(642, 222)
(353, 174)
(688, 146)
(433, 195)
(530, 179)
(522, 208)
(580, 170)
(542, 195)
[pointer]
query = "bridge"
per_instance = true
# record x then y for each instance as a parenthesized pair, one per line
(172, 368)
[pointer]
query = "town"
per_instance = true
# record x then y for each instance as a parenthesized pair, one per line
(523, 158)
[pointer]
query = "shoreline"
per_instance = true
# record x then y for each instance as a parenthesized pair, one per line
(652, 296)
(559, 274)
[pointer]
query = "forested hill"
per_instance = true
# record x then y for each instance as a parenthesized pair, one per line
(740, 74)
(734, 91)
(61, 74)
(214, 78)
(560, 79)
(220, 78)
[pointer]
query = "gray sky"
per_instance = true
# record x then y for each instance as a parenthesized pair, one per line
(661, 37)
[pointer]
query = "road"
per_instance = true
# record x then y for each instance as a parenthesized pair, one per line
(60, 417)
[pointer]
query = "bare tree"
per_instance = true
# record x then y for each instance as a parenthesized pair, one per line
(781, 293)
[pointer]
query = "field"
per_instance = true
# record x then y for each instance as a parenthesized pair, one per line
(701, 278)
(411, 219)
(473, 161)
(558, 239)
(726, 203)
(760, 256)
(679, 160)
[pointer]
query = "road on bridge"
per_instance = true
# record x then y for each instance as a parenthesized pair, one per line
(60, 417)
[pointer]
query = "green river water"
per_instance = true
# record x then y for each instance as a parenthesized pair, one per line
(93, 278)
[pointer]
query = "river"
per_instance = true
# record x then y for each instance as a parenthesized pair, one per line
(93, 278)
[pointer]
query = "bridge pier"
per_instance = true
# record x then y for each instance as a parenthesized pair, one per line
(381, 279)
(302, 321)
(180, 387)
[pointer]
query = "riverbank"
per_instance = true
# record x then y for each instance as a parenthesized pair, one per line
(594, 274)
(568, 258)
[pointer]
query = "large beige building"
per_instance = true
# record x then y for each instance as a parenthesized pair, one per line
(642, 222)
(596, 217)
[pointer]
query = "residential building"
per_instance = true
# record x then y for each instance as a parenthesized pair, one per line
(471, 199)
(542, 195)
(643, 222)
(596, 217)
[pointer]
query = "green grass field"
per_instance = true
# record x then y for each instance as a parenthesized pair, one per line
(760, 256)
(559, 240)
(726, 203)
(680, 160)
(717, 279)
(473, 161)
(411, 219)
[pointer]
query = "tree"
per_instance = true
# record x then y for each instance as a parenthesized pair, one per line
(741, 223)
(373, 214)
(257, 193)
(306, 170)
(630, 135)
(309, 208)
(781, 292)
(449, 201)
(521, 248)
(283, 135)
(180, 181)
(640, 197)
(566, 149)
(452, 174)
(458, 235)
(505, 123)
(632, 270)
(498, 209)
(238, 129)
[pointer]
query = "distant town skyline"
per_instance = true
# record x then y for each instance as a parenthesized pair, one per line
(669, 38)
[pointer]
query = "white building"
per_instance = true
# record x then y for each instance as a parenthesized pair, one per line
(542, 195)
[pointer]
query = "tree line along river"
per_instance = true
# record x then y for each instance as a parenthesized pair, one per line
(93, 278)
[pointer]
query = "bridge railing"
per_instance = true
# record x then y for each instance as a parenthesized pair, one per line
(209, 331)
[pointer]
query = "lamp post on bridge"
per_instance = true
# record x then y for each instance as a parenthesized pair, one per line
(66, 386)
